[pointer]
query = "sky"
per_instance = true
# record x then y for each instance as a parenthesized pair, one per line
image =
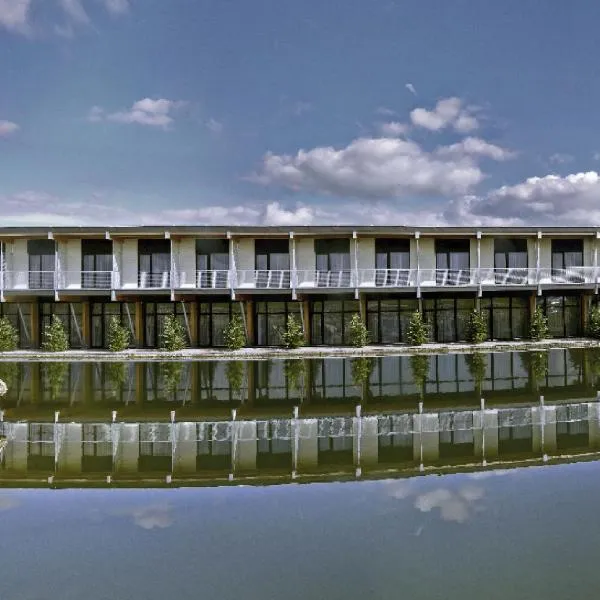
(405, 112)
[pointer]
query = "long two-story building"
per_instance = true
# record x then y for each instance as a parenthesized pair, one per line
(321, 274)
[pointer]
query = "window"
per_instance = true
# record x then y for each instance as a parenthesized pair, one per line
(19, 314)
(448, 317)
(96, 448)
(388, 319)
(156, 447)
(274, 446)
(508, 317)
(155, 314)
(452, 261)
(564, 315)
(567, 260)
(332, 381)
(42, 264)
(392, 261)
(272, 263)
(213, 450)
(212, 263)
(213, 317)
(395, 438)
(510, 261)
(336, 441)
(271, 321)
(154, 263)
(96, 264)
(330, 321)
(71, 315)
(333, 263)
(103, 312)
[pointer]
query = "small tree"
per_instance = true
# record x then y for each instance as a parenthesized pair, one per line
(234, 371)
(170, 373)
(538, 330)
(361, 368)
(477, 327)
(55, 337)
(476, 363)
(293, 336)
(235, 333)
(418, 331)
(173, 337)
(118, 335)
(537, 363)
(359, 335)
(295, 371)
(115, 373)
(8, 373)
(419, 365)
(9, 337)
(56, 373)
(593, 326)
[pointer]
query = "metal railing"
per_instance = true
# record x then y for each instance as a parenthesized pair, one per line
(160, 280)
(313, 278)
(260, 278)
(87, 280)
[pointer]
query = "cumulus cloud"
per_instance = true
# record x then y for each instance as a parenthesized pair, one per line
(75, 11)
(148, 111)
(14, 15)
(448, 112)
(476, 147)
(453, 506)
(411, 88)
(7, 128)
(153, 516)
(393, 129)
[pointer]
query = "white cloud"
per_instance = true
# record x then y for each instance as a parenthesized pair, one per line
(14, 15)
(371, 168)
(561, 158)
(116, 7)
(393, 129)
(453, 506)
(7, 128)
(596, 156)
(448, 112)
(9, 502)
(150, 112)
(411, 88)
(385, 111)
(214, 126)
(75, 11)
(275, 214)
(153, 516)
(476, 147)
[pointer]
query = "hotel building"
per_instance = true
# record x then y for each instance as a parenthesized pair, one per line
(322, 274)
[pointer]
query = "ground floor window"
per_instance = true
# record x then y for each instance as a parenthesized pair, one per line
(564, 315)
(19, 314)
(103, 312)
(71, 315)
(155, 314)
(271, 320)
(388, 319)
(330, 321)
(508, 317)
(448, 317)
(213, 317)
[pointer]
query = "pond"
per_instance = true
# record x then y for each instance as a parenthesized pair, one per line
(327, 478)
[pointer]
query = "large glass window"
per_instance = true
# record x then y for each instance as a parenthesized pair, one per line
(154, 263)
(41, 447)
(271, 321)
(212, 263)
(392, 261)
(103, 312)
(42, 264)
(155, 314)
(213, 317)
(272, 263)
(213, 451)
(452, 261)
(333, 262)
(567, 260)
(274, 446)
(96, 264)
(332, 381)
(19, 314)
(71, 315)
(448, 317)
(508, 317)
(156, 447)
(96, 448)
(564, 315)
(510, 261)
(395, 438)
(330, 320)
(388, 319)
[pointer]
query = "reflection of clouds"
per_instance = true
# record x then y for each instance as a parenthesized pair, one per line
(487, 474)
(454, 506)
(8, 502)
(150, 517)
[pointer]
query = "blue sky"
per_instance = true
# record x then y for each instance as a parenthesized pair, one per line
(272, 111)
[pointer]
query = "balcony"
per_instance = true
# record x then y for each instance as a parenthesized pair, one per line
(87, 280)
(204, 280)
(263, 279)
(154, 281)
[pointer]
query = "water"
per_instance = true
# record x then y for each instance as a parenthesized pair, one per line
(423, 491)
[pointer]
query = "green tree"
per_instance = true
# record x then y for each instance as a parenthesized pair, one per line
(359, 335)
(293, 335)
(477, 363)
(56, 373)
(9, 372)
(173, 336)
(419, 365)
(593, 325)
(537, 363)
(234, 371)
(170, 373)
(361, 369)
(9, 336)
(295, 372)
(118, 336)
(418, 331)
(538, 329)
(55, 338)
(477, 327)
(235, 333)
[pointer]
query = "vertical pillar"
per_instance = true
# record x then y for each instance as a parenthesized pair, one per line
(140, 387)
(538, 258)
(594, 424)
(532, 304)
(86, 321)
(249, 308)
(185, 448)
(426, 438)
(139, 323)
(71, 450)
(294, 274)
(245, 446)
(36, 383)
(369, 442)
(362, 306)
(585, 306)
(478, 278)
(305, 307)
(17, 448)
(129, 448)
(307, 445)
(35, 324)
(192, 308)
(418, 266)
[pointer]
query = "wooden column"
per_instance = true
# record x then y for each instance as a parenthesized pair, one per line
(139, 323)
(35, 324)
(88, 382)
(532, 305)
(140, 388)
(192, 308)
(250, 383)
(249, 308)
(362, 304)
(305, 308)
(585, 308)
(86, 322)
(35, 382)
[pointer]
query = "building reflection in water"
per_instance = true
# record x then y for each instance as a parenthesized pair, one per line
(272, 421)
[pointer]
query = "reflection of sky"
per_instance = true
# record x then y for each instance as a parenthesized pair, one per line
(427, 537)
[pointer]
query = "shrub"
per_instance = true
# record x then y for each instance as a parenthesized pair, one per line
(55, 337)
(476, 363)
(115, 373)
(56, 373)
(234, 372)
(477, 327)
(9, 337)
(8, 373)
(359, 335)
(538, 330)
(537, 363)
(361, 370)
(593, 326)
(173, 335)
(170, 373)
(293, 336)
(418, 330)
(294, 370)
(118, 335)
(419, 365)
(235, 333)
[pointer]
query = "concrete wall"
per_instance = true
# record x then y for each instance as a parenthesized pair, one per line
(129, 448)
(305, 261)
(20, 264)
(487, 253)
(186, 448)
(366, 253)
(71, 449)
(307, 456)
(185, 260)
(473, 253)
(243, 250)
(427, 260)
(69, 263)
(129, 264)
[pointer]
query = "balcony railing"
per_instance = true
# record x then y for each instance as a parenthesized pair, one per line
(300, 279)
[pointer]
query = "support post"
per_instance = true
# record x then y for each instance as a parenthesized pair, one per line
(140, 381)
(478, 272)
(249, 306)
(293, 274)
(139, 323)
(538, 262)
(232, 266)
(86, 320)
(192, 308)
(35, 324)
(355, 268)
(305, 307)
